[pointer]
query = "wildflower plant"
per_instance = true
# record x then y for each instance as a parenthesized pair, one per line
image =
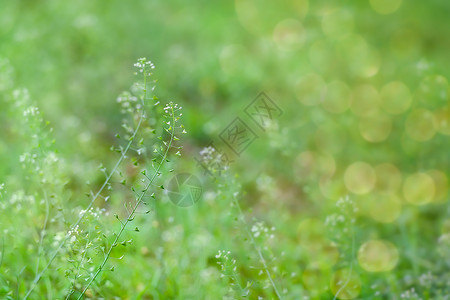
(341, 227)
(149, 137)
(255, 236)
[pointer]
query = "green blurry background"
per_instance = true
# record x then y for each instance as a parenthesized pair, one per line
(364, 90)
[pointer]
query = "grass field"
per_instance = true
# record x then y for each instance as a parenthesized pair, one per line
(224, 149)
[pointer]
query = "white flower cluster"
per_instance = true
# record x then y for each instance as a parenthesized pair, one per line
(143, 64)
(28, 158)
(95, 213)
(168, 108)
(259, 228)
(225, 262)
(410, 294)
(75, 231)
(31, 111)
(213, 160)
(207, 153)
(2, 188)
(334, 220)
(128, 102)
(426, 279)
(345, 204)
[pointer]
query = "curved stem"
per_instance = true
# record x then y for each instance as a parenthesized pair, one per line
(351, 268)
(252, 240)
(94, 198)
(41, 240)
(133, 211)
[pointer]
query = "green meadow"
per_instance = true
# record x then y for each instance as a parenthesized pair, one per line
(245, 149)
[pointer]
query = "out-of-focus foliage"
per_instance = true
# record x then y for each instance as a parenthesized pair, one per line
(364, 90)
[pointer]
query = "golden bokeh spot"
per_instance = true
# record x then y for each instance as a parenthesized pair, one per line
(345, 284)
(365, 100)
(442, 117)
(385, 7)
(323, 7)
(395, 98)
(301, 7)
(310, 89)
(360, 178)
(289, 34)
(332, 188)
(338, 24)
(389, 178)
(337, 98)
(322, 55)
(421, 125)
(441, 186)
(419, 188)
(258, 16)
(313, 164)
(375, 128)
(360, 59)
(315, 280)
(385, 208)
(321, 253)
(378, 256)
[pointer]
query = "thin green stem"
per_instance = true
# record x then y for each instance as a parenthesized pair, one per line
(94, 198)
(78, 270)
(253, 242)
(133, 211)
(44, 228)
(351, 268)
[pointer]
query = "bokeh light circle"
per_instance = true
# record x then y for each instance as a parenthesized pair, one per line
(315, 280)
(338, 24)
(385, 208)
(385, 7)
(337, 98)
(378, 256)
(442, 117)
(395, 98)
(289, 34)
(389, 178)
(376, 127)
(360, 178)
(310, 164)
(441, 185)
(310, 89)
(421, 125)
(361, 60)
(419, 188)
(345, 284)
(365, 100)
